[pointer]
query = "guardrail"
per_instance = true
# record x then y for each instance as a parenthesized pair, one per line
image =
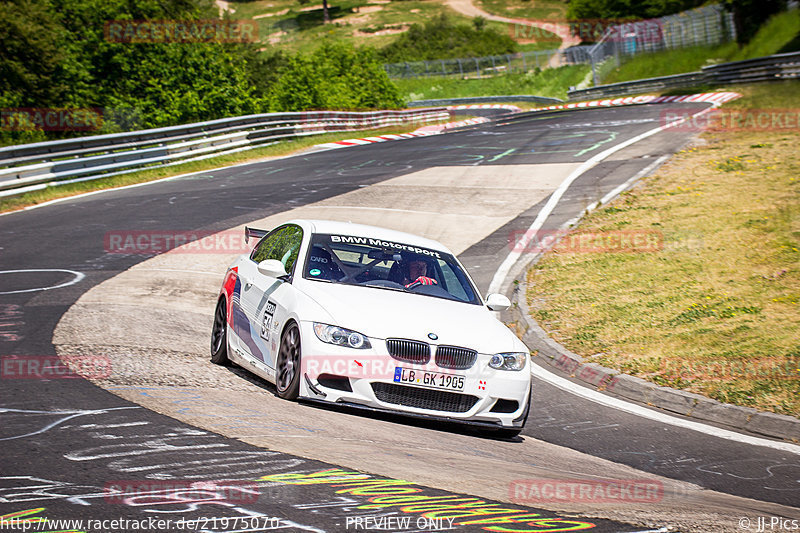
(777, 67)
(509, 99)
(29, 167)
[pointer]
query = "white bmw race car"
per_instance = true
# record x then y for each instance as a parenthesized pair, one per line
(371, 318)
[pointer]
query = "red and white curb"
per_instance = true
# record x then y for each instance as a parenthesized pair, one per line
(712, 98)
(438, 128)
(372, 140)
(426, 130)
(716, 98)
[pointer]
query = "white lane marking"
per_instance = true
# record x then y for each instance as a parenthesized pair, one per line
(585, 392)
(643, 412)
(515, 254)
(78, 276)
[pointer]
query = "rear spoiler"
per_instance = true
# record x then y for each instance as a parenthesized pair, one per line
(253, 232)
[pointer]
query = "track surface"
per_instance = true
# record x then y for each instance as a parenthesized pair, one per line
(69, 454)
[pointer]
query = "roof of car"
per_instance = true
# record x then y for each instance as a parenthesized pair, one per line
(374, 232)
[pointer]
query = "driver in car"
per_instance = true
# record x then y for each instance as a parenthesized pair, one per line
(416, 272)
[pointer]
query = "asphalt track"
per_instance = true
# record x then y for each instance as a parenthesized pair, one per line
(65, 439)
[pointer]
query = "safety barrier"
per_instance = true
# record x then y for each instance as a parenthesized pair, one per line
(777, 67)
(28, 167)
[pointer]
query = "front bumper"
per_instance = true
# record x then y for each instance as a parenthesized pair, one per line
(366, 379)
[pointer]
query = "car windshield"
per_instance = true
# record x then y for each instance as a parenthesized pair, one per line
(388, 265)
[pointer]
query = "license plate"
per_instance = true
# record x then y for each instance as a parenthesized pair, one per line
(436, 380)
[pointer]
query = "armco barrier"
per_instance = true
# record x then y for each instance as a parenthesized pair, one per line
(35, 166)
(486, 100)
(777, 67)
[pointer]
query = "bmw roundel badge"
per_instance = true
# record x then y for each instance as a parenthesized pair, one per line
(433, 336)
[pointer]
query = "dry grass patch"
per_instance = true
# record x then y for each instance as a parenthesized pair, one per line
(717, 310)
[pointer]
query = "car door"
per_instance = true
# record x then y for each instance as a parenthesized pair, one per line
(266, 300)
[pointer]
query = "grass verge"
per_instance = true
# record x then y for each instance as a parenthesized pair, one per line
(552, 82)
(716, 311)
(257, 154)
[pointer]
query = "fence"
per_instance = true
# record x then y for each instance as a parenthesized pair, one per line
(706, 26)
(28, 167)
(479, 66)
(777, 67)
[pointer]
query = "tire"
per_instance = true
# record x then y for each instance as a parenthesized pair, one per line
(219, 335)
(287, 366)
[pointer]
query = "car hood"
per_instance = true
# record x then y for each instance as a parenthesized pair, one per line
(383, 313)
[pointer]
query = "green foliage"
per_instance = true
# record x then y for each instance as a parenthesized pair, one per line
(56, 54)
(779, 34)
(335, 76)
(441, 38)
(548, 82)
(751, 14)
(627, 9)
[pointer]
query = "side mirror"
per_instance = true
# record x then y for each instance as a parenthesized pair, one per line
(497, 302)
(271, 268)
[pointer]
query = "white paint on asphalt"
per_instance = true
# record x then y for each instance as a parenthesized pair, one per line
(78, 276)
(643, 412)
(518, 251)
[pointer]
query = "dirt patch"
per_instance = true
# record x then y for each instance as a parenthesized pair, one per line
(276, 14)
(275, 38)
(369, 9)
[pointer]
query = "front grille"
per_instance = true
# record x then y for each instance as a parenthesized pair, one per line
(435, 400)
(455, 358)
(409, 351)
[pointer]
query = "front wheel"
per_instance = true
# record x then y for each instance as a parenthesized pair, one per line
(287, 378)
(219, 335)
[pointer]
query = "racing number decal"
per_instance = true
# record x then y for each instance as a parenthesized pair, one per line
(266, 322)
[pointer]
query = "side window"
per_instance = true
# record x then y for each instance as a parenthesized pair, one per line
(282, 244)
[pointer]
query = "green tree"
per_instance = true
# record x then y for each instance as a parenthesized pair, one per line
(335, 76)
(441, 38)
(749, 15)
(627, 9)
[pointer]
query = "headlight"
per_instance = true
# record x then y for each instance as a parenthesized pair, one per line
(341, 336)
(508, 361)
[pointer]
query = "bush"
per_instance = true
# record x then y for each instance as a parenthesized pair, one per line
(335, 76)
(627, 9)
(440, 38)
